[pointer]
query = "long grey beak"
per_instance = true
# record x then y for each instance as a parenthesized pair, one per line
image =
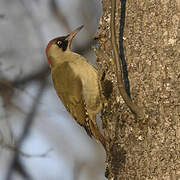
(73, 34)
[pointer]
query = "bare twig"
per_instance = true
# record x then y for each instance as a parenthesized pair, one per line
(21, 170)
(36, 76)
(134, 108)
(14, 148)
(28, 123)
(56, 9)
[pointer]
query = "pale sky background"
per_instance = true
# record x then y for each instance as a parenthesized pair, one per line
(26, 26)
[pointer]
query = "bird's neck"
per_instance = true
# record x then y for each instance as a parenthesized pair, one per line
(58, 57)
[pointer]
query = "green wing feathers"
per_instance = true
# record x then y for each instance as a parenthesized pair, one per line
(69, 89)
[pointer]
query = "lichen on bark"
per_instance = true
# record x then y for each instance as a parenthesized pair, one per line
(152, 48)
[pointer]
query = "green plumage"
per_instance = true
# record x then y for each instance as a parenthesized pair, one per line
(77, 84)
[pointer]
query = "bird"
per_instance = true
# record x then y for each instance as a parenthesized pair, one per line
(77, 83)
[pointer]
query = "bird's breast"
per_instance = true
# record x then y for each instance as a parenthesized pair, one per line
(78, 70)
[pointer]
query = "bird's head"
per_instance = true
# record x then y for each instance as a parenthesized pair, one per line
(60, 44)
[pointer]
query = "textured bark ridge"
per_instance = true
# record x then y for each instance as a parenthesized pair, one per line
(148, 150)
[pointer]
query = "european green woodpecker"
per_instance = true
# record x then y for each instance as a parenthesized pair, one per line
(76, 82)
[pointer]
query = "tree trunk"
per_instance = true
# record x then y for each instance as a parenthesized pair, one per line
(150, 149)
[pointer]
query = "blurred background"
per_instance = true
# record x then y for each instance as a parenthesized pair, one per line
(31, 115)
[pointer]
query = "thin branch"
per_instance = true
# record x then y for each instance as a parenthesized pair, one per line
(134, 108)
(28, 123)
(21, 170)
(14, 148)
(56, 9)
(36, 76)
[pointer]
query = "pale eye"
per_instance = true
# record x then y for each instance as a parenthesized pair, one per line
(59, 43)
(62, 44)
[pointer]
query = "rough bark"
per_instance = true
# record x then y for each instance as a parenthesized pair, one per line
(150, 149)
